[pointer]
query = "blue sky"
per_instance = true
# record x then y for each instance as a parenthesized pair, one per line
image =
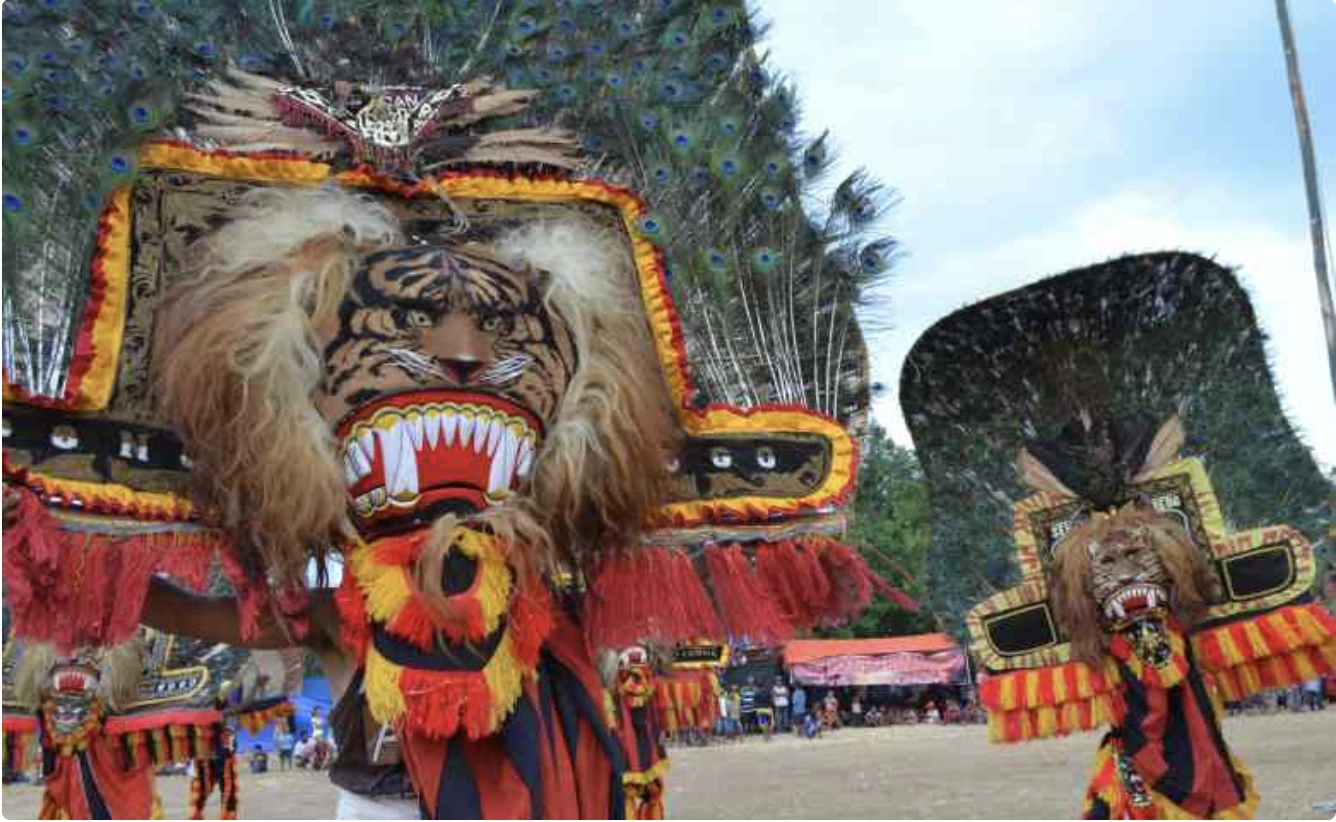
(1029, 138)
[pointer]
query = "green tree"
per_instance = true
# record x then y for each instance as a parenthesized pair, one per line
(890, 527)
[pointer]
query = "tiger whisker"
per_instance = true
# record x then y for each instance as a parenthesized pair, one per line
(416, 363)
(506, 370)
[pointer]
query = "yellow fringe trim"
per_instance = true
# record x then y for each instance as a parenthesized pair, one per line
(505, 679)
(653, 773)
(384, 587)
(381, 683)
(114, 499)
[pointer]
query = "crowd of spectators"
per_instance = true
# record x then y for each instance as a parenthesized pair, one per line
(1310, 696)
(783, 707)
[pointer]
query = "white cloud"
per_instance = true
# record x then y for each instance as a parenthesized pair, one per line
(1275, 266)
(973, 108)
(1030, 138)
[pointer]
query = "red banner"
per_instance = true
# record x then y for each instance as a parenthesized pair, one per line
(940, 668)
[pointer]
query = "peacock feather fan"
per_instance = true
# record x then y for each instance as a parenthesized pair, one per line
(767, 258)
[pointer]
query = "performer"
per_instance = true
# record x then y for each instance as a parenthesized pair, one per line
(638, 728)
(217, 771)
(86, 773)
(335, 318)
(1137, 609)
(1130, 589)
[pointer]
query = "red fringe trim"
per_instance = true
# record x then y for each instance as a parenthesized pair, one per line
(1274, 650)
(439, 704)
(530, 621)
(656, 593)
(399, 550)
(415, 624)
(71, 588)
(649, 594)
(158, 720)
(18, 723)
(747, 607)
(354, 632)
(795, 577)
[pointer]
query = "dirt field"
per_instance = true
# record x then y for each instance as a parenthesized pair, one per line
(910, 772)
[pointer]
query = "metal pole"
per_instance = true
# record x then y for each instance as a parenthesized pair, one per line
(1316, 228)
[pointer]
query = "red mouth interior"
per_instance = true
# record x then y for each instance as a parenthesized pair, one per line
(406, 452)
(1135, 599)
(73, 679)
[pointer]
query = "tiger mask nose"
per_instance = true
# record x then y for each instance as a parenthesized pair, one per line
(459, 346)
(460, 370)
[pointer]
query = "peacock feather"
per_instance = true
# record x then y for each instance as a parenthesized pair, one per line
(767, 258)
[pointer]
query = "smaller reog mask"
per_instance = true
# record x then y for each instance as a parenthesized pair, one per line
(1128, 578)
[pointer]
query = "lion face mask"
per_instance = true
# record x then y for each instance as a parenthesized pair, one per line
(443, 369)
(1128, 578)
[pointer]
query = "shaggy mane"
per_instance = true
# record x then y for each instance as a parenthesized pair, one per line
(120, 667)
(1070, 579)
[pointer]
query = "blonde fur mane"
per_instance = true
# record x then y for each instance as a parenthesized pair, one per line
(239, 365)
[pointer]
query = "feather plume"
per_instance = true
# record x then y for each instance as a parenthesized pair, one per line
(1164, 448)
(1038, 476)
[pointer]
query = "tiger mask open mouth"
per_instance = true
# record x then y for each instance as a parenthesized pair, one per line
(420, 454)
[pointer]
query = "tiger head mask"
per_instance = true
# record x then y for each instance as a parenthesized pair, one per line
(329, 377)
(442, 370)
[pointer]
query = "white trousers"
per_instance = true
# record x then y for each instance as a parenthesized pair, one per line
(356, 806)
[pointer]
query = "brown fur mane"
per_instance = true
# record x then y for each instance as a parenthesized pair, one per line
(1194, 581)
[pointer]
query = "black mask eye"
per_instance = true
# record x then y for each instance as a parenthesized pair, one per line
(490, 324)
(419, 319)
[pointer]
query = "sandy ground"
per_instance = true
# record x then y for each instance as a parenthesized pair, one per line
(910, 772)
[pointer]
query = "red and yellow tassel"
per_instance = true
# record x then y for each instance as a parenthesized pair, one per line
(1275, 650)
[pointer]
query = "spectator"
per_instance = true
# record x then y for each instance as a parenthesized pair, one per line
(832, 710)
(1296, 698)
(811, 727)
(749, 705)
(932, 716)
(799, 706)
(765, 720)
(856, 711)
(285, 741)
(259, 760)
(317, 724)
(721, 723)
(779, 698)
(302, 753)
(734, 712)
(873, 717)
(1314, 699)
(322, 754)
